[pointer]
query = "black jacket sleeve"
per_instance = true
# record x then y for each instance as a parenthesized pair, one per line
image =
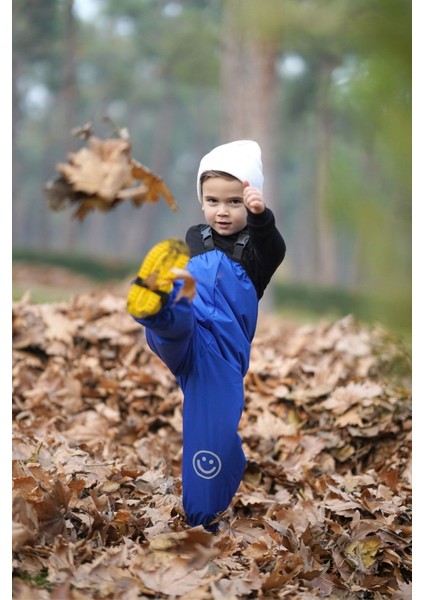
(268, 244)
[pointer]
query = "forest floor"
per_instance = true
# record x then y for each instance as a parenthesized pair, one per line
(324, 508)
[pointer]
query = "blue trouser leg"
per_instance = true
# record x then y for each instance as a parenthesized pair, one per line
(171, 334)
(213, 459)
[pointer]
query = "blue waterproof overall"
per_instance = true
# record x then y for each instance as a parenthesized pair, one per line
(206, 345)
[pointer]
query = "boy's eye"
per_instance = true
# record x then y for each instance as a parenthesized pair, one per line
(236, 201)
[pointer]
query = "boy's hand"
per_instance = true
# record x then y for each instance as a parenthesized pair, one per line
(253, 199)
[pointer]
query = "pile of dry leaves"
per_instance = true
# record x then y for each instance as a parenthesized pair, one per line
(324, 509)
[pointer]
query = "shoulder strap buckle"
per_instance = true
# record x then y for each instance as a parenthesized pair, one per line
(207, 238)
(240, 244)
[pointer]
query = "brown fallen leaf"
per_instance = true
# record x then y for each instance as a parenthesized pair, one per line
(362, 553)
(102, 174)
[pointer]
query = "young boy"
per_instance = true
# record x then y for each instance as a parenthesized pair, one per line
(206, 343)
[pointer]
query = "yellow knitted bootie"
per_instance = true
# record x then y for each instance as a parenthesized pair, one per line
(153, 284)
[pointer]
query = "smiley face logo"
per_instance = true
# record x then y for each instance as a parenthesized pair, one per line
(206, 464)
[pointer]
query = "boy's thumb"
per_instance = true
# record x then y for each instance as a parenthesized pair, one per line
(245, 184)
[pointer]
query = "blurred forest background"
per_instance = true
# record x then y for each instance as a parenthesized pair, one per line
(325, 87)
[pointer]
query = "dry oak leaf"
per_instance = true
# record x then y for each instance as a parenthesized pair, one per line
(58, 326)
(153, 184)
(102, 175)
(343, 398)
(102, 169)
(361, 554)
(189, 287)
(176, 576)
(177, 562)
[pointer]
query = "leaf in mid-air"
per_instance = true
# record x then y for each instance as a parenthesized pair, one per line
(101, 175)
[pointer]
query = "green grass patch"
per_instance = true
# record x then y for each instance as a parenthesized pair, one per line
(312, 303)
(43, 294)
(40, 580)
(100, 270)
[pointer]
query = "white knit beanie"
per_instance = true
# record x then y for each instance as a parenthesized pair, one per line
(241, 159)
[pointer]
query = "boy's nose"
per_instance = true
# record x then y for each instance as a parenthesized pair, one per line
(223, 209)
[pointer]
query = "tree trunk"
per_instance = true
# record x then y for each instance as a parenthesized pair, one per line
(68, 99)
(17, 208)
(325, 242)
(249, 86)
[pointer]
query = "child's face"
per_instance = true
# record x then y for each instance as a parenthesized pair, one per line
(222, 203)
